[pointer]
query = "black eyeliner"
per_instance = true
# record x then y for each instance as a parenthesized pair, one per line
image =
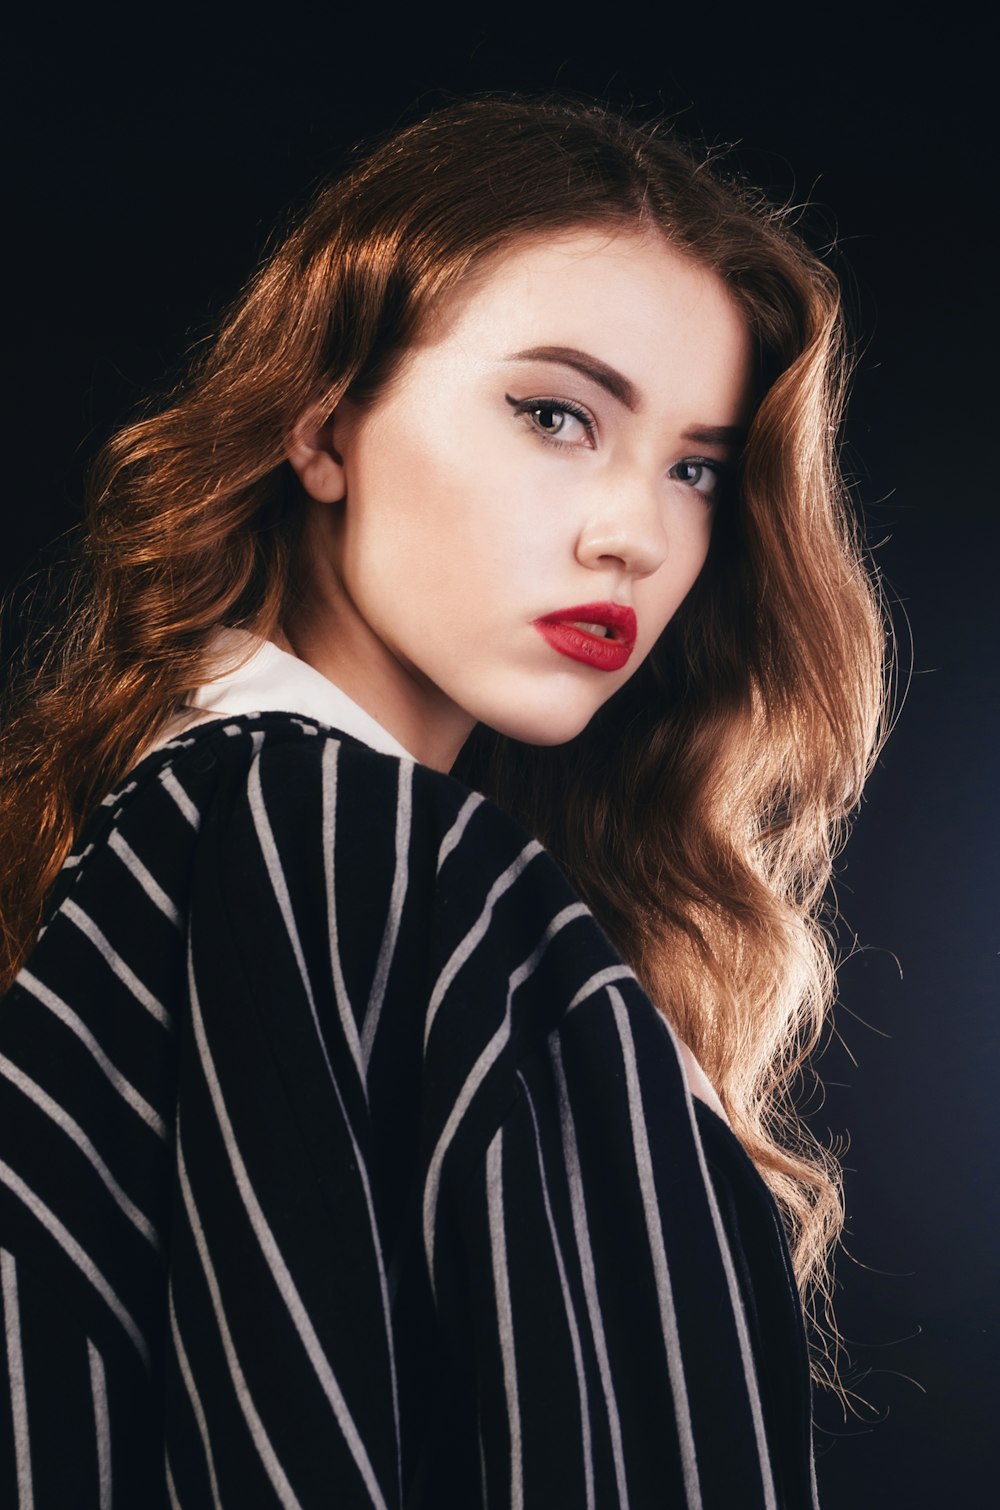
(528, 406)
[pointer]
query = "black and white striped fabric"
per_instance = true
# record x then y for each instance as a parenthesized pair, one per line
(344, 1163)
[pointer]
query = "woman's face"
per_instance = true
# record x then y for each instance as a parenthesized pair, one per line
(551, 450)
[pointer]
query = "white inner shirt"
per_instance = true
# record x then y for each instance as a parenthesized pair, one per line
(257, 676)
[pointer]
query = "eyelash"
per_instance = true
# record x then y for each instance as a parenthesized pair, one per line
(719, 470)
(526, 408)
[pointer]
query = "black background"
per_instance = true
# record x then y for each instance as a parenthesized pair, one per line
(149, 163)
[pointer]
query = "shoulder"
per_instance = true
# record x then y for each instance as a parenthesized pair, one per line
(281, 761)
(277, 788)
(258, 811)
(285, 769)
(317, 822)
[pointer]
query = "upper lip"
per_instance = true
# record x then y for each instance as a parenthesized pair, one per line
(618, 619)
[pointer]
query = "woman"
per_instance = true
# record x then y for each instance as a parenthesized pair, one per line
(347, 1157)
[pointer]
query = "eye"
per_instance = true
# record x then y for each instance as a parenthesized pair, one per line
(555, 420)
(699, 473)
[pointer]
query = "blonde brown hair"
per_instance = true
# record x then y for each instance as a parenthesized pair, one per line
(698, 812)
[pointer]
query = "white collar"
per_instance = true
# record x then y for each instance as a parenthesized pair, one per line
(270, 680)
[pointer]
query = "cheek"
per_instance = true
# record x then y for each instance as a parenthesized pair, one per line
(697, 539)
(701, 546)
(427, 539)
(661, 595)
(458, 515)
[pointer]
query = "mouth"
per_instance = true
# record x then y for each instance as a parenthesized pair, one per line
(601, 635)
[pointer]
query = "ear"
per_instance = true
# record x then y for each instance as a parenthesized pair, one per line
(316, 461)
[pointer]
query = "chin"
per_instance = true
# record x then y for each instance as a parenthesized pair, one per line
(551, 727)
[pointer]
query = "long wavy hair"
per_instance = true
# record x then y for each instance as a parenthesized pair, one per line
(699, 811)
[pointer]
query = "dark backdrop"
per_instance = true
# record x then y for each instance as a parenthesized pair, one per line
(147, 169)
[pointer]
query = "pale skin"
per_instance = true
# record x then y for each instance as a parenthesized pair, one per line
(559, 436)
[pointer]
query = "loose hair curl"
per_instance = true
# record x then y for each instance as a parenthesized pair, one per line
(699, 811)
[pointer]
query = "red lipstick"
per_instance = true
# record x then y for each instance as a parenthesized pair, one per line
(605, 644)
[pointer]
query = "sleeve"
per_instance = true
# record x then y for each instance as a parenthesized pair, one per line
(193, 1249)
(54, 1441)
(582, 1263)
(607, 1335)
(86, 1112)
(281, 1379)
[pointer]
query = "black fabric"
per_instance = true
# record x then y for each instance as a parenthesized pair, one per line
(343, 1162)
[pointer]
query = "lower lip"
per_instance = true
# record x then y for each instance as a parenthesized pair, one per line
(591, 649)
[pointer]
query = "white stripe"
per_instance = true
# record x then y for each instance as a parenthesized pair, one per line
(404, 803)
(505, 1315)
(262, 1441)
(194, 1397)
(330, 757)
(477, 1075)
(125, 974)
(578, 1208)
(180, 796)
(122, 791)
(454, 834)
(15, 1368)
(570, 1309)
(272, 860)
(102, 1425)
(71, 861)
(276, 875)
(72, 1248)
(432, 1185)
(732, 1284)
(598, 981)
(73, 1130)
(477, 932)
(279, 1269)
(658, 1254)
(147, 881)
(813, 1486)
(482, 1468)
(175, 1503)
(68, 1017)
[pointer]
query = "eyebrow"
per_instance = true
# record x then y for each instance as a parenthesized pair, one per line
(716, 435)
(618, 385)
(606, 377)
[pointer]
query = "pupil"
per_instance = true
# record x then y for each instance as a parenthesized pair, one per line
(550, 418)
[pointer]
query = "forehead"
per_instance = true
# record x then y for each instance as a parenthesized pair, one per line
(627, 296)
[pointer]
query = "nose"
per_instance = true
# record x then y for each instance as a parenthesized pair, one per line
(625, 525)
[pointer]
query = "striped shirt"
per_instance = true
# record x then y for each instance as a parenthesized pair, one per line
(343, 1162)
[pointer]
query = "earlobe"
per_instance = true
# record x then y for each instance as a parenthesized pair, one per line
(317, 463)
